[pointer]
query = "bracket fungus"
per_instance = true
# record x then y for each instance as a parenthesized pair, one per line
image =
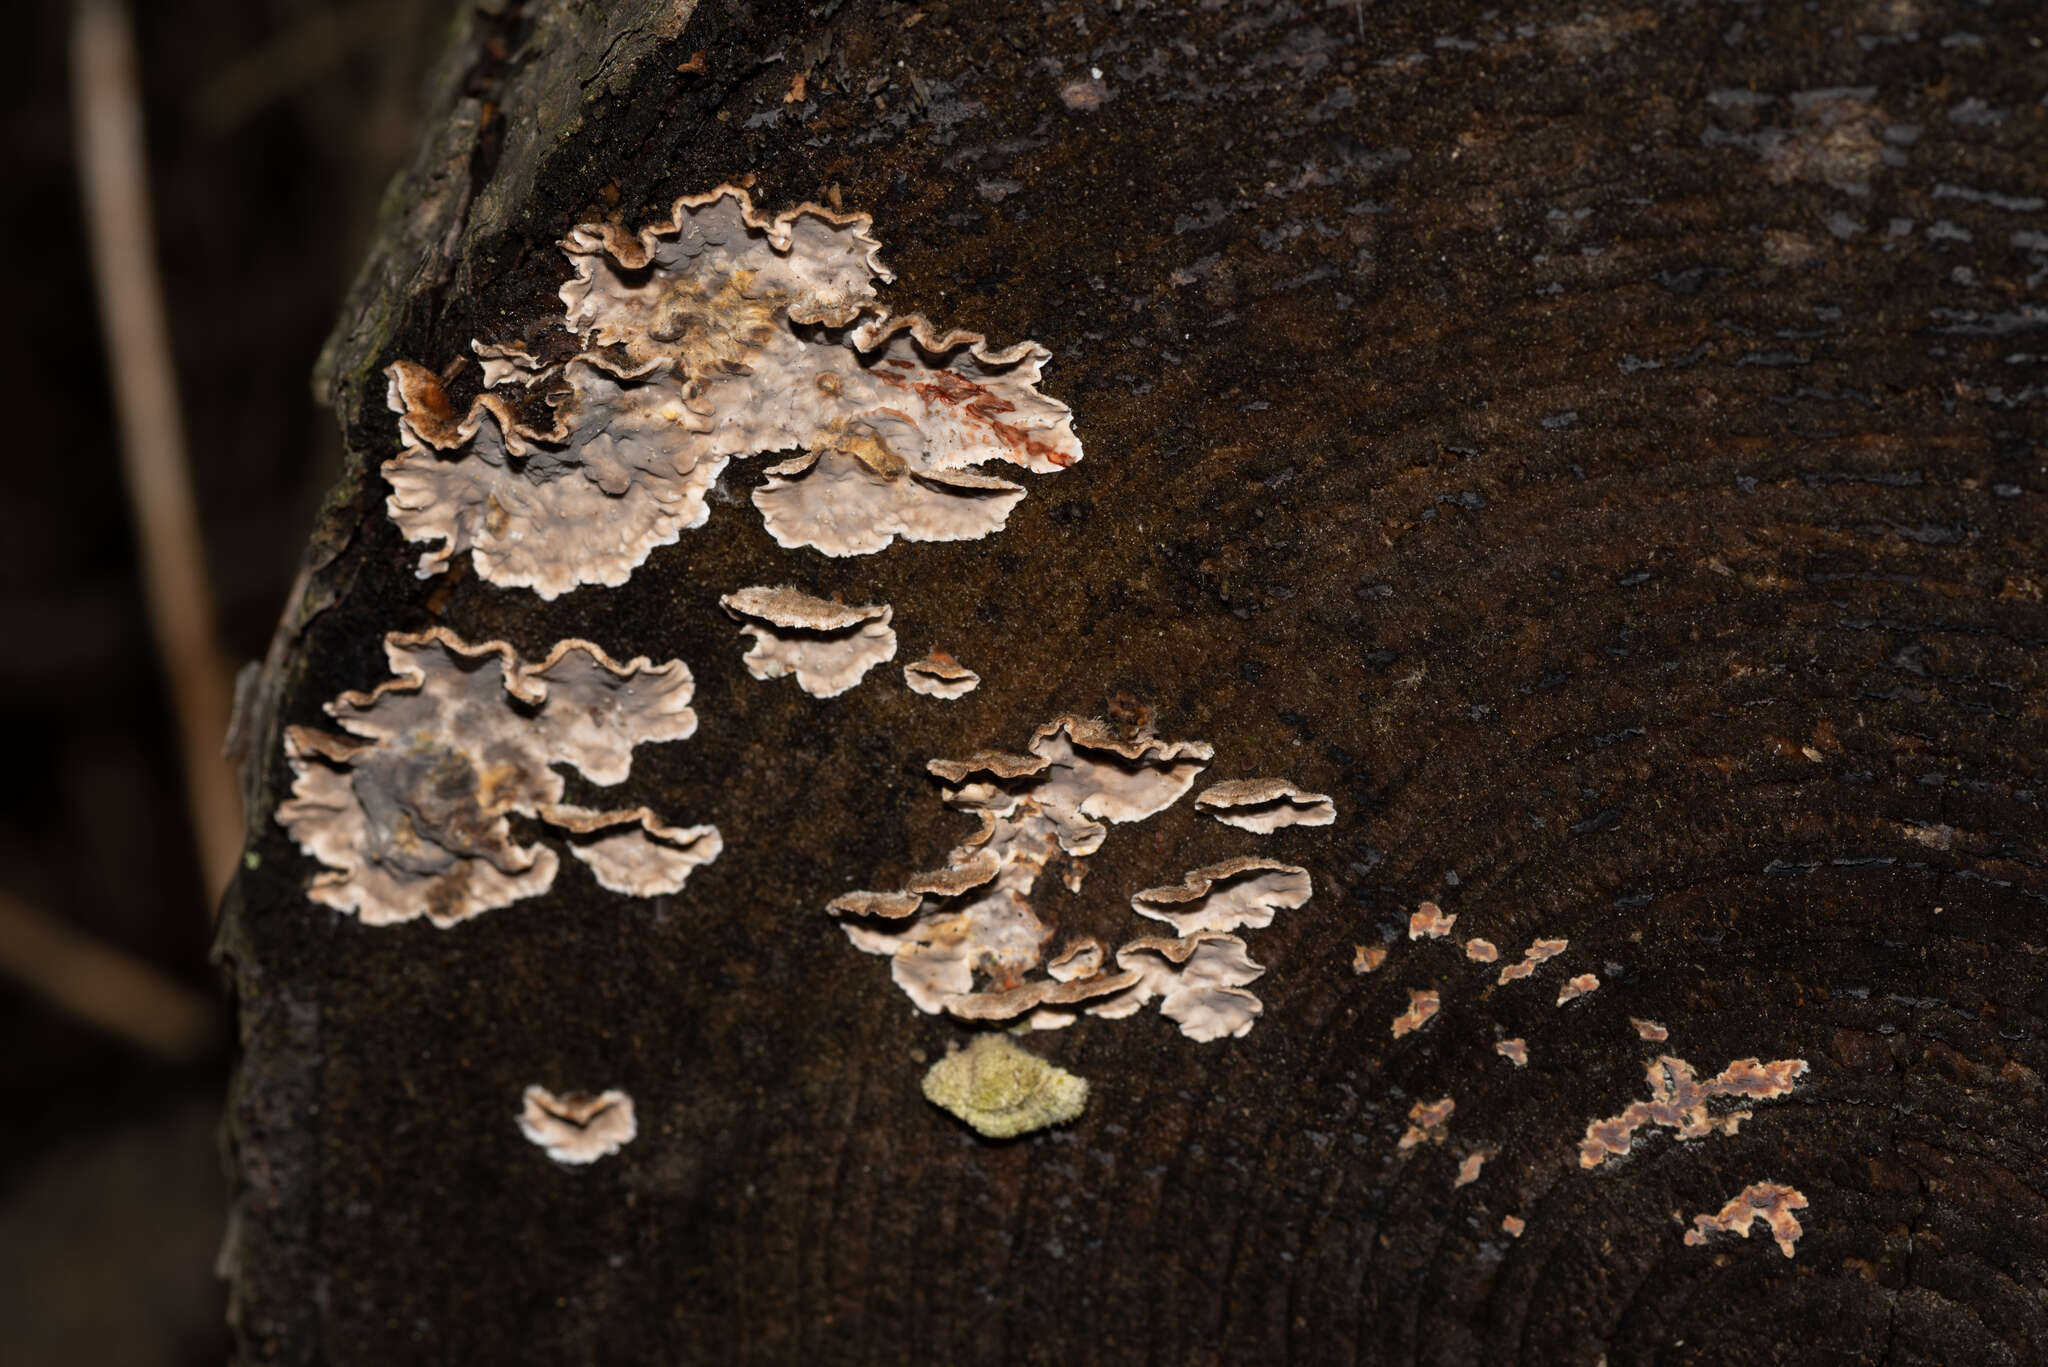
(1679, 1101)
(718, 332)
(1367, 958)
(1515, 1051)
(1199, 980)
(1481, 951)
(1771, 1202)
(1265, 805)
(1649, 1030)
(939, 675)
(1429, 922)
(577, 1127)
(409, 810)
(1468, 1170)
(1002, 1090)
(1241, 892)
(828, 646)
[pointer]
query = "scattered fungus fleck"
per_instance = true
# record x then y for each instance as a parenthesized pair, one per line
(828, 646)
(1367, 958)
(1468, 1170)
(1679, 1101)
(1771, 1202)
(1422, 1006)
(1481, 951)
(1265, 805)
(1241, 892)
(1541, 952)
(939, 675)
(409, 811)
(577, 1127)
(1002, 1090)
(1583, 985)
(1428, 1122)
(1513, 1225)
(1515, 1051)
(1429, 922)
(718, 333)
(1649, 1030)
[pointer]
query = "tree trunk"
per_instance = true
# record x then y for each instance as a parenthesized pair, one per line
(1599, 449)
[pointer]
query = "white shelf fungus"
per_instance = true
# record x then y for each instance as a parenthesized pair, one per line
(1199, 980)
(1237, 893)
(939, 675)
(713, 334)
(1679, 1101)
(828, 646)
(1002, 1090)
(577, 1127)
(409, 811)
(1265, 805)
(1771, 1202)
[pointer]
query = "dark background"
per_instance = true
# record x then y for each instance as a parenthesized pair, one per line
(273, 127)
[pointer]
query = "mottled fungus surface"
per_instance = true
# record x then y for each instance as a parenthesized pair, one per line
(1002, 1090)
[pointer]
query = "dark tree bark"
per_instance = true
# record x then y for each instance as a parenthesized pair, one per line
(1602, 449)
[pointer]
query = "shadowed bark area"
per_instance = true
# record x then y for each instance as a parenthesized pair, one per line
(1600, 447)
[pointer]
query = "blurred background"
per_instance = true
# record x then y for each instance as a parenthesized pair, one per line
(270, 128)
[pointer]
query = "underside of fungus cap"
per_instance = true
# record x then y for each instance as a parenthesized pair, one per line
(1265, 805)
(828, 646)
(1241, 892)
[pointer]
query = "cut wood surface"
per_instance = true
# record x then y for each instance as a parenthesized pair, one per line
(1599, 446)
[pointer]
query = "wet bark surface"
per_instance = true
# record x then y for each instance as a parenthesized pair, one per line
(1601, 448)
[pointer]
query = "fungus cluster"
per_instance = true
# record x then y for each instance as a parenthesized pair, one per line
(1265, 805)
(1680, 1101)
(967, 939)
(408, 809)
(715, 333)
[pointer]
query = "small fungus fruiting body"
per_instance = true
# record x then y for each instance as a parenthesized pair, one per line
(1515, 1051)
(1649, 1030)
(1428, 1122)
(1199, 980)
(828, 646)
(1265, 805)
(1422, 1008)
(1241, 892)
(1428, 921)
(1481, 951)
(577, 1127)
(1468, 1170)
(1679, 1101)
(1575, 988)
(1002, 1090)
(939, 675)
(1367, 958)
(1771, 1202)
(1537, 954)
(409, 810)
(717, 333)
(1513, 1225)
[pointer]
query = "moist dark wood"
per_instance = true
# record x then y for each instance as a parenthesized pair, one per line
(1485, 424)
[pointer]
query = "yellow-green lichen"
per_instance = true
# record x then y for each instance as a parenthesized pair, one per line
(1003, 1090)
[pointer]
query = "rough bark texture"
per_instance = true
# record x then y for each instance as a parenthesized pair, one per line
(1622, 493)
